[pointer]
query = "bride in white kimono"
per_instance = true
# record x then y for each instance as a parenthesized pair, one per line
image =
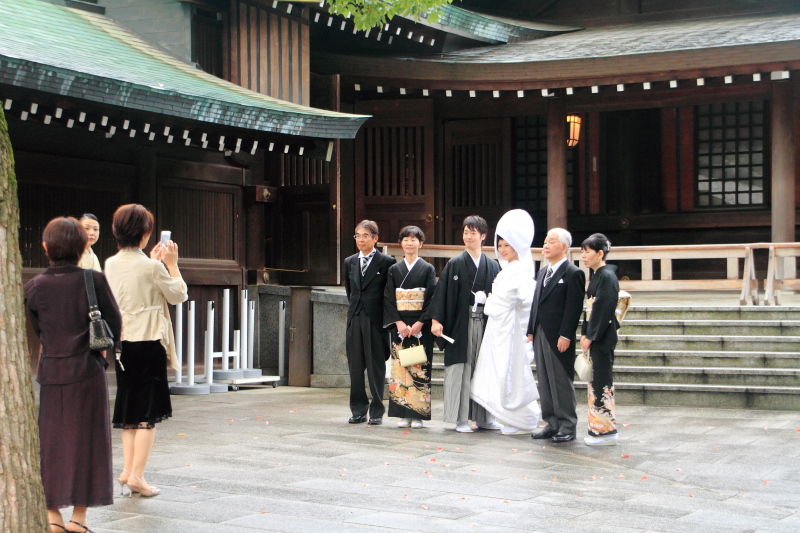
(503, 381)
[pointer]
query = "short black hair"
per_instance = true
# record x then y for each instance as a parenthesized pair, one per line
(131, 223)
(65, 239)
(408, 231)
(597, 242)
(369, 225)
(476, 223)
(89, 215)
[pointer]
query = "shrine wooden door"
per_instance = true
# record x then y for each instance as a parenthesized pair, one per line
(477, 174)
(394, 171)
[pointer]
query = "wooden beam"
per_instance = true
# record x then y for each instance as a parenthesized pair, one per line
(783, 163)
(556, 164)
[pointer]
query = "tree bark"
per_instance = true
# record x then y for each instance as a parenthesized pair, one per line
(22, 505)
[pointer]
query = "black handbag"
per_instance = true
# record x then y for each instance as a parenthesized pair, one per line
(100, 336)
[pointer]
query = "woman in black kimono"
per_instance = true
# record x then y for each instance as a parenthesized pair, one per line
(599, 333)
(409, 289)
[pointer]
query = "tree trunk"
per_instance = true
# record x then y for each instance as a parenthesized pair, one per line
(22, 506)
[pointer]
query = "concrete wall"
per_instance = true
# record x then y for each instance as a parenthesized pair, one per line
(166, 23)
(329, 318)
(328, 322)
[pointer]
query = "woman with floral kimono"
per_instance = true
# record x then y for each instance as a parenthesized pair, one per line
(503, 381)
(409, 289)
(599, 333)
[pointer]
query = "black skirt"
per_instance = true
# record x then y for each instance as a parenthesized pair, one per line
(142, 388)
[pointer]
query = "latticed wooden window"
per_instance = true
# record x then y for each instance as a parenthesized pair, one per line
(530, 165)
(731, 154)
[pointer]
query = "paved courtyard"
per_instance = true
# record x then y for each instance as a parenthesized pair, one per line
(285, 459)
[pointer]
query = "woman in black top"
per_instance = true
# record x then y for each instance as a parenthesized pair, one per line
(599, 333)
(408, 293)
(74, 422)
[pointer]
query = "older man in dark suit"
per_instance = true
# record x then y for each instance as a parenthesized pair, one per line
(555, 313)
(367, 343)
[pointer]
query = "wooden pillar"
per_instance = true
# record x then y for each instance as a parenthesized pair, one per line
(783, 163)
(556, 164)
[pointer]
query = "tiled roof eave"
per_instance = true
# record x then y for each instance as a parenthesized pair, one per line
(47, 78)
(533, 73)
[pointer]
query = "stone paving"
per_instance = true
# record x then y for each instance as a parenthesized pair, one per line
(285, 459)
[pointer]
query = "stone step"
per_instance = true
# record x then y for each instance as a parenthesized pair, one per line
(661, 394)
(709, 343)
(668, 358)
(712, 313)
(711, 327)
(744, 377)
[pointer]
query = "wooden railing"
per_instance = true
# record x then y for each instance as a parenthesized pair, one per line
(745, 281)
(782, 271)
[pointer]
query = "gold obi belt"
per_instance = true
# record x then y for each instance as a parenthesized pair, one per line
(410, 299)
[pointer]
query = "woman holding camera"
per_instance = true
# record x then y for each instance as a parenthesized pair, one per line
(74, 428)
(143, 286)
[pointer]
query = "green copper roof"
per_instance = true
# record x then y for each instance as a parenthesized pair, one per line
(74, 53)
(490, 28)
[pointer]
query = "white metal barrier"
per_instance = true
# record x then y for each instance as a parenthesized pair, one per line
(236, 360)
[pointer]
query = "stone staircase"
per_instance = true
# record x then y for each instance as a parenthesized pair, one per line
(729, 357)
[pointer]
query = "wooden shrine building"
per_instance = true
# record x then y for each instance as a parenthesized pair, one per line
(687, 112)
(100, 116)
(199, 110)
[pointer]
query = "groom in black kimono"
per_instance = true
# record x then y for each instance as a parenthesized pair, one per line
(366, 342)
(457, 312)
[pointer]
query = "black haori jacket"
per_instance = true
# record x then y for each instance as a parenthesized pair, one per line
(453, 300)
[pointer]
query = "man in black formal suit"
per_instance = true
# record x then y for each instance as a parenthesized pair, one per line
(555, 313)
(366, 342)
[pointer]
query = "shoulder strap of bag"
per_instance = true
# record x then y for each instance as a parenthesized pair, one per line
(94, 310)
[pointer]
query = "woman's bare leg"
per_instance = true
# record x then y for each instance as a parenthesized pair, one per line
(79, 516)
(54, 517)
(142, 446)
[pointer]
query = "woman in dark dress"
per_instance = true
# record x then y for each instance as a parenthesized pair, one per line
(409, 290)
(599, 333)
(74, 423)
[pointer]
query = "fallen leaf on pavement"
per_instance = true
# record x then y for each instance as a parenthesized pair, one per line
(644, 478)
(626, 425)
(691, 495)
(181, 434)
(406, 431)
(594, 476)
(625, 456)
(766, 482)
(440, 449)
(425, 507)
(622, 477)
(554, 479)
(433, 460)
